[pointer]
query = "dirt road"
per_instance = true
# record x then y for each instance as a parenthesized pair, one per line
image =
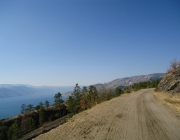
(135, 116)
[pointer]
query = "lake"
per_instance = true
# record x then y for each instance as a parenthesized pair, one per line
(11, 106)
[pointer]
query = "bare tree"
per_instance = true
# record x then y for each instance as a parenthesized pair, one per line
(174, 64)
(179, 64)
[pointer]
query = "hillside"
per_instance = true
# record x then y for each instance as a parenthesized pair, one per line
(171, 82)
(131, 116)
(127, 81)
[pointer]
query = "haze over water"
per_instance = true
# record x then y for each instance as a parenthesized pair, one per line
(11, 106)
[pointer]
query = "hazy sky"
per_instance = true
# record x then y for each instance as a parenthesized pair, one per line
(64, 42)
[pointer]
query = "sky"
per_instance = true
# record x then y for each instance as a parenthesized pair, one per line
(64, 42)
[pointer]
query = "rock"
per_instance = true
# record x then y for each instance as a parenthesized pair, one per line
(170, 82)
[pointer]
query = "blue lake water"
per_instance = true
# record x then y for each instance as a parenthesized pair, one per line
(11, 106)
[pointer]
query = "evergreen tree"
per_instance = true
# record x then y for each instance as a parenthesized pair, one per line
(77, 93)
(14, 131)
(3, 132)
(46, 104)
(42, 116)
(71, 104)
(74, 100)
(58, 100)
(37, 107)
(30, 107)
(118, 91)
(105, 94)
(29, 124)
(41, 105)
(23, 108)
(84, 90)
(93, 95)
(84, 104)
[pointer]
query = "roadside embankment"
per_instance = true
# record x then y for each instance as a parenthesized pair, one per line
(171, 101)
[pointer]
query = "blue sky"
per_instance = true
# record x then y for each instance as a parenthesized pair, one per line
(64, 42)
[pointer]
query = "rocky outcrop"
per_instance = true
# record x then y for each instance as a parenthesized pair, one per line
(170, 82)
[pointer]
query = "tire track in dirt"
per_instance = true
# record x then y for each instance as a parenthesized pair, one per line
(134, 116)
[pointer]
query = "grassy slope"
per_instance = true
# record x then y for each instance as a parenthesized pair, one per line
(169, 100)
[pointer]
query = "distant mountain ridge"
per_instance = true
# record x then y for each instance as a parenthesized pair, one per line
(125, 82)
(8, 90)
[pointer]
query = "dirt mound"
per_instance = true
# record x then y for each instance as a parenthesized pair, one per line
(171, 82)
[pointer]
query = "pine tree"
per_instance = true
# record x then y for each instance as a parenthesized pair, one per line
(42, 116)
(58, 102)
(14, 131)
(46, 104)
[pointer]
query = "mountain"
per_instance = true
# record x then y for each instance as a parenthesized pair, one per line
(5, 92)
(8, 90)
(171, 82)
(127, 81)
(124, 82)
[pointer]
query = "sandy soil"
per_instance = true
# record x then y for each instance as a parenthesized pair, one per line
(135, 116)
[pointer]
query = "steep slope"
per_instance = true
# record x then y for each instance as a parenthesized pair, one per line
(171, 82)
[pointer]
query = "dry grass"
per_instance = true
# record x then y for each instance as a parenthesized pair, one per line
(168, 99)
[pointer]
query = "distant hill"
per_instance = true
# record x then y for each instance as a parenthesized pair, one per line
(125, 82)
(8, 90)
(5, 92)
